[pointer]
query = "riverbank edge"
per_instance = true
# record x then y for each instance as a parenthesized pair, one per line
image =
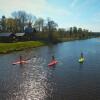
(74, 39)
(19, 46)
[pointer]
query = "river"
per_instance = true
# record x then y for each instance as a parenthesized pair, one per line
(68, 80)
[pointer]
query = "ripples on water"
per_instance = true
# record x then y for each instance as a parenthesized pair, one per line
(32, 83)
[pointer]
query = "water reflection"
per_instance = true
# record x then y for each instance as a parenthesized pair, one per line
(81, 65)
(36, 82)
(29, 83)
(53, 67)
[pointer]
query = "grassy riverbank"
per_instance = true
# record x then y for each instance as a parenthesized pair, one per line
(18, 46)
(9, 47)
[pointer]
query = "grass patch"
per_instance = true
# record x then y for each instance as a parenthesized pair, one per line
(9, 47)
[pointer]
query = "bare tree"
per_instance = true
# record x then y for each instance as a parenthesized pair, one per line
(31, 18)
(39, 24)
(51, 25)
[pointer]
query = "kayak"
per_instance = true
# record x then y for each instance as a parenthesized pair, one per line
(52, 63)
(19, 62)
(81, 60)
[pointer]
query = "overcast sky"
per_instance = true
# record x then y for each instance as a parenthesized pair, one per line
(67, 13)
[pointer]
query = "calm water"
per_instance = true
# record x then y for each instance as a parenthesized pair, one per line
(68, 80)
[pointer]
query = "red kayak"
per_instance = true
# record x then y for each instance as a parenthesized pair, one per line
(19, 62)
(53, 63)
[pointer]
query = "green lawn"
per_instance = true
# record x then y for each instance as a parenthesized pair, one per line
(9, 47)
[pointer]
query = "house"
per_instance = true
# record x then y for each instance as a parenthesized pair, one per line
(7, 37)
(30, 33)
(28, 30)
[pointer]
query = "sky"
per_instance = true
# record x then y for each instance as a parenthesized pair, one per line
(67, 13)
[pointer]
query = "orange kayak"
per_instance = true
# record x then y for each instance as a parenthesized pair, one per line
(20, 62)
(52, 63)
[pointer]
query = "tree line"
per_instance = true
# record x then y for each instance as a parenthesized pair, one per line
(47, 29)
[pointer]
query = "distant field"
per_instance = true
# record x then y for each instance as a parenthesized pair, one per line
(9, 47)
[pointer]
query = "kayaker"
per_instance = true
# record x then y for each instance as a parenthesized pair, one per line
(81, 60)
(20, 58)
(53, 58)
(53, 62)
(81, 55)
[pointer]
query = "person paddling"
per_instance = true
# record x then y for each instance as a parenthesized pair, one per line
(53, 58)
(20, 59)
(81, 59)
(81, 55)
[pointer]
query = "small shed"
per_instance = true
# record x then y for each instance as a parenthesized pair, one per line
(23, 36)
(20, 36)
(7, 37)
